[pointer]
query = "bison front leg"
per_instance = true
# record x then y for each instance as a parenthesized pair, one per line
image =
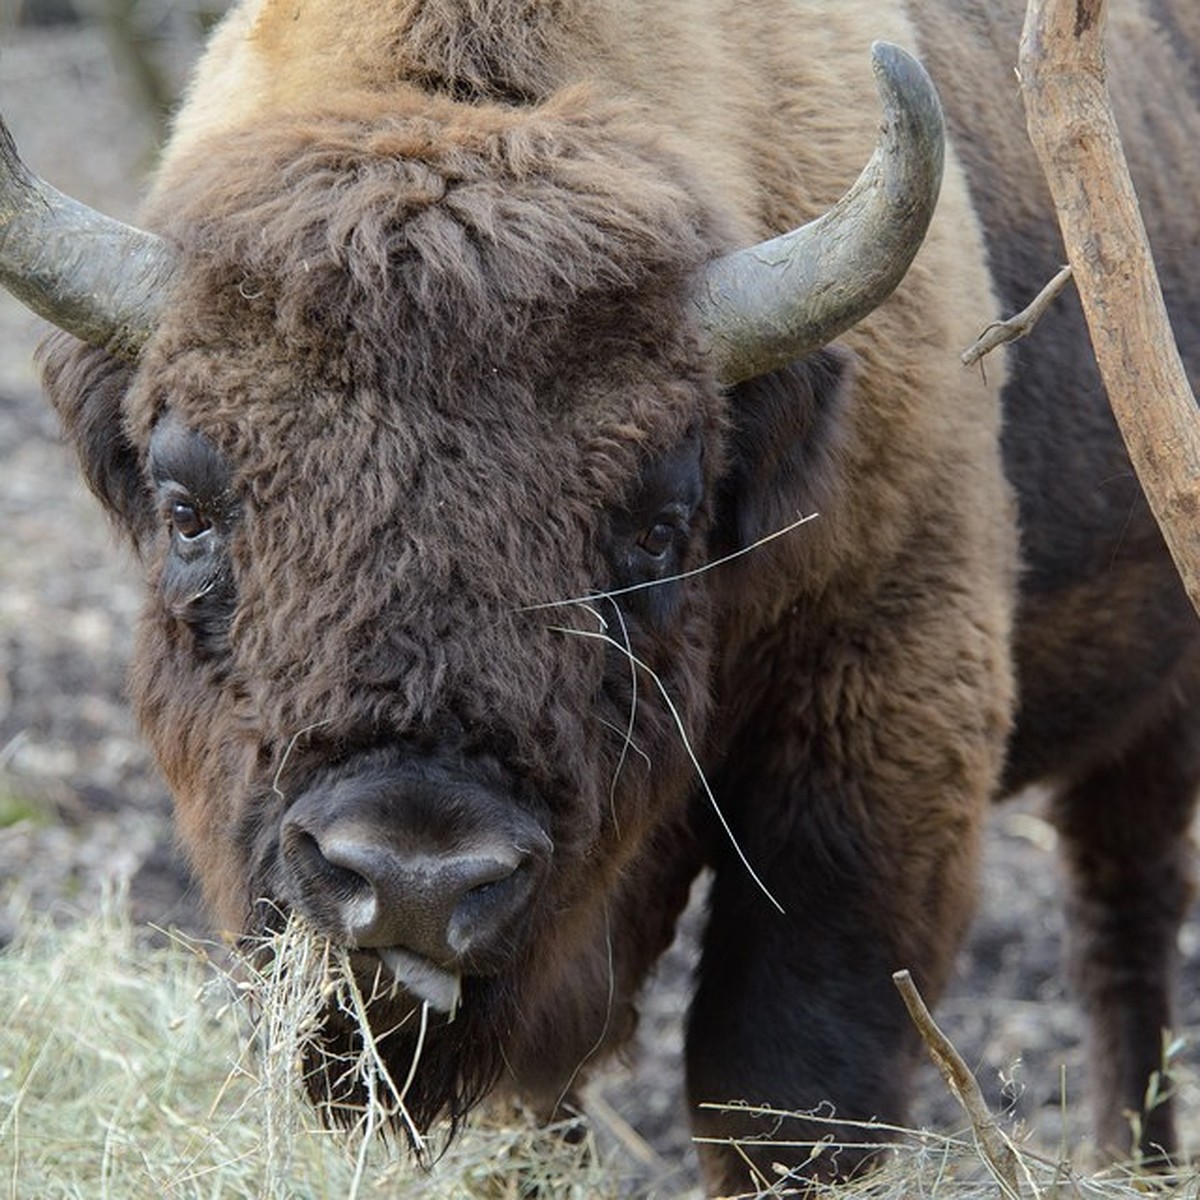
(1124, 834)
(795, 1017)
(859, 794)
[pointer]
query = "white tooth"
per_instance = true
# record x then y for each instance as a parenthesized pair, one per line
(439, 988)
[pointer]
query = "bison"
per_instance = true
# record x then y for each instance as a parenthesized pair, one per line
(453, 397)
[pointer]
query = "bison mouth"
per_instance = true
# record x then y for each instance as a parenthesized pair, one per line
(436, 986)
(410, 1050)
(422, 877)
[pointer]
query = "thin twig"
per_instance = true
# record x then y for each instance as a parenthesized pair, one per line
(599, 1109)
(999, 333)
(993, 1145)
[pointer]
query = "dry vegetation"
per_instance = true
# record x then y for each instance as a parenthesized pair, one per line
(133, 1067)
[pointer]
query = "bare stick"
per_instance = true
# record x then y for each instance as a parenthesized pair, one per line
(1071, 125)
(1019, 325)
(992, 1143)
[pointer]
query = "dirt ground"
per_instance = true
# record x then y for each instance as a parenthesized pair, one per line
(80, 803)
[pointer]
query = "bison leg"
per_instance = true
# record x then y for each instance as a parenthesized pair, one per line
(857, 780)
(820, 1031)
(1124, 831)
(873, 864)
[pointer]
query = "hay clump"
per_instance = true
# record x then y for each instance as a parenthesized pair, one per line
(131, 1067)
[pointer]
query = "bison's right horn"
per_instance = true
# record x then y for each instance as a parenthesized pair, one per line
(770, 304)
(95, 277)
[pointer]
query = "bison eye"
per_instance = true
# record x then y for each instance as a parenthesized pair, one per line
(659, 539)
(188, 521)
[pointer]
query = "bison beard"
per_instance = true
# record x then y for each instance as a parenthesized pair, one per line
(449, 1063)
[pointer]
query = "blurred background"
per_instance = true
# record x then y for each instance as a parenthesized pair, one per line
(86, 87)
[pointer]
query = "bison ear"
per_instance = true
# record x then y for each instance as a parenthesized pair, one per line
(782, 449)
(87, 388)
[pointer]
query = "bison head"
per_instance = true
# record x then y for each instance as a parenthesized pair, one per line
(423, 434)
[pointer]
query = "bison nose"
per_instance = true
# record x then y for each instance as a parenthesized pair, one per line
(457, 908)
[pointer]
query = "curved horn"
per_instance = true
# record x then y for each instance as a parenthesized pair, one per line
(95, 277)
(770, 304)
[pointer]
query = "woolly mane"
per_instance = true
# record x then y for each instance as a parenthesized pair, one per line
(437, 230)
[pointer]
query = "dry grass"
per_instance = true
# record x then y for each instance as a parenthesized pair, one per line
(135, 1071)
(934, 1166)
(131, 1069)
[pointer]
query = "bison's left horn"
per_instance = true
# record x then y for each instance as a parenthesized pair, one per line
(770, 304)
(95, 277)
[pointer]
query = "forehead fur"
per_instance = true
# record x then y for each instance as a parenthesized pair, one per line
(419, 246)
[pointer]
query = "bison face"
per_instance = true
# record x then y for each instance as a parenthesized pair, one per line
(404, 678)
(417, 473)
(423, 459)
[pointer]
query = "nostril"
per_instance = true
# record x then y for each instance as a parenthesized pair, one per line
(490, 890)
(306, 851)
(485, 914)
(474, 903)
(334, 895)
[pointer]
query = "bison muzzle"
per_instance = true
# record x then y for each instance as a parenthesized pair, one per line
(431, 867)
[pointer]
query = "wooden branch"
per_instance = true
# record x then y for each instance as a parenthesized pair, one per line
(992, 1143)
(1019, 325)
(1071, 124)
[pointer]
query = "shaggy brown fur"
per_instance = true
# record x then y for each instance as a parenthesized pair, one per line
(429, 368)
